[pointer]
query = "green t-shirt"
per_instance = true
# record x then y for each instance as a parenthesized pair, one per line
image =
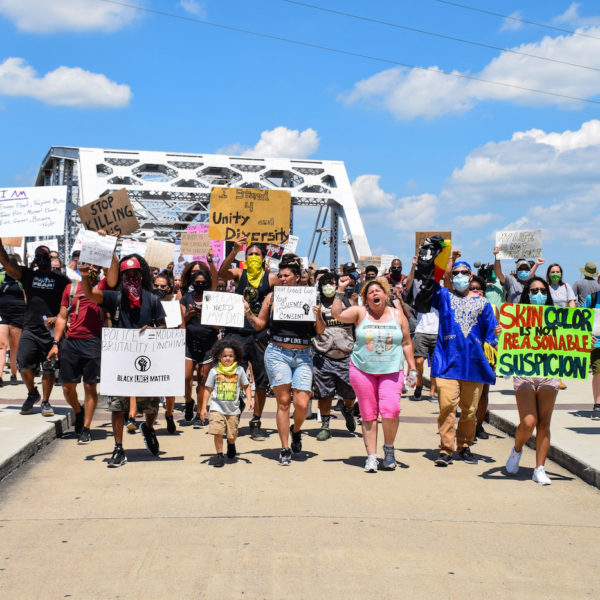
(495, 293)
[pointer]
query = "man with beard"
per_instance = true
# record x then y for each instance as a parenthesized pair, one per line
(43, 292)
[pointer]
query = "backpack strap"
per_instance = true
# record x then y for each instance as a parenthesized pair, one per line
(594, 299)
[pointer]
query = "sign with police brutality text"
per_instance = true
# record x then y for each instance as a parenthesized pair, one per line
(261, 215)
(545, 341)
(112, 212)
(147, 364)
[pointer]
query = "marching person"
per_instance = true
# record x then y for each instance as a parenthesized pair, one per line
(513, 285)
(588, 285)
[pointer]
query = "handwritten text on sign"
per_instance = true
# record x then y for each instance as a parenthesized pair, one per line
(294, 303)
(145, 364)
(97, 249)
(112, 212)
(32, 211)
(519, 244)
(195, 244)
(261, 215)
(545, 341)
(222, 309)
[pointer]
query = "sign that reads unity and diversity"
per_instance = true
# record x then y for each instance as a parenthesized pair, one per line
(261, 215)
(545, 341)
(113, 213)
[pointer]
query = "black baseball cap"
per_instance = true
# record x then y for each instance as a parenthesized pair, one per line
(348, 267)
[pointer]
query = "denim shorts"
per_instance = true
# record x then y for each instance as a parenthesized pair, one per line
(289, 366)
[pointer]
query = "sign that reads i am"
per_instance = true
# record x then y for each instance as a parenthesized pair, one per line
(294, 303)
(261, 215)
(112, 212)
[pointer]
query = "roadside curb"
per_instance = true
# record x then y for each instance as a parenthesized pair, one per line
(573, 464)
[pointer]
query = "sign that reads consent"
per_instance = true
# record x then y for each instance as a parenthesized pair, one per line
(545, 341)
(261, 215)
(145, 364)
(112, 212)
(294, 303)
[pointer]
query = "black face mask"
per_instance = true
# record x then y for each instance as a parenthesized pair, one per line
(43, 261)
(199, 286)
(370, 276)
(396, 274)
(160, 292)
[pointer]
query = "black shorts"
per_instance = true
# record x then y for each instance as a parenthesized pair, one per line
(331, 376)
(33, 350)
(254, 353)
(12, 315)
(198, 351)
(80, 357)
(424, 344)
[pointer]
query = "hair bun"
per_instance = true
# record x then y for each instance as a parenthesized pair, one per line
(290, 259)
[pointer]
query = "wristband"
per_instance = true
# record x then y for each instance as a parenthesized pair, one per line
(247, 311)
(56, 342)
(340, 296)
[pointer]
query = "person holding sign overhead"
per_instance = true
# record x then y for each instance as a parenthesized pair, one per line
(513, 285)
(253, 282)
(288, 358)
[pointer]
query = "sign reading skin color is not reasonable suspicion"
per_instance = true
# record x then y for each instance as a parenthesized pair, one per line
(545, 341)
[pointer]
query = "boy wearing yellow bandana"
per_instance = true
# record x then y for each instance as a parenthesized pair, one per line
(223, 385)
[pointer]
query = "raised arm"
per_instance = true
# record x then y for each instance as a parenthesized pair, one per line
(456, 254)
(498, 267)
(351, 314)
(12, 268)
(538, 263)
(214, 274)
(225, 271)
(410, 278)
(95, 295)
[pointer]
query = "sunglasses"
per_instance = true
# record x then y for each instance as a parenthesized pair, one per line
(461, 272)
(475, 289)
(535, 291)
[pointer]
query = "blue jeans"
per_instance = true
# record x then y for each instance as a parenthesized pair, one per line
(289, 366)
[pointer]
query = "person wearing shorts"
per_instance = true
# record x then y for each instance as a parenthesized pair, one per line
(593, 301)
(12, 313)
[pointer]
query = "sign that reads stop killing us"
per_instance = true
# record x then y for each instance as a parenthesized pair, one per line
(112, 212)
(261, 215)
(545, 341)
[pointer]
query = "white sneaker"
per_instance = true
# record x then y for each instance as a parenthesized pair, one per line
(512, 464)
(371, 464)
(539, 476)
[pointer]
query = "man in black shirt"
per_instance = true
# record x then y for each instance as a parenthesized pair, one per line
(43, 292)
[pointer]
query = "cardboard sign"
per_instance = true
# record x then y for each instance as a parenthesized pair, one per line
(14, 241)
(222, 309)
(97, 249)
(145, 364)
(112, 212)
(545, 341)
(365, 261)
(421, 236)
(261, 215)
(195, 244)
(172, 313)
(33, 211)
(294, 303)
(519, 244)
(133, 247)
(159, 254)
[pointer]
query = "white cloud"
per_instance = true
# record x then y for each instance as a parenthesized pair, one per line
(572, 17)
(510, 24)
(475, 221)
(47, 16)
(410, 93)
(65, 86)
(193, 7)
(280, 142)
(368, 193)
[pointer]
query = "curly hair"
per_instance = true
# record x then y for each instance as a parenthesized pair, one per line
(292, 262)
(147, 281)
(225, 343)
(381, 282)
(328, 277)
(167, 275)
(195, 265)
(524, 299)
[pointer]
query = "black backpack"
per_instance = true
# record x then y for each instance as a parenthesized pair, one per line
(154, 301)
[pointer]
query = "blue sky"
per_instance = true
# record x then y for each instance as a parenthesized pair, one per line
(423, 150)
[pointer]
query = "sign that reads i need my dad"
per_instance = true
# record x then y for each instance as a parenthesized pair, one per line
(147, 364)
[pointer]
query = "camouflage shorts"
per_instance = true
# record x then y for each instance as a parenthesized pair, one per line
(147, 406)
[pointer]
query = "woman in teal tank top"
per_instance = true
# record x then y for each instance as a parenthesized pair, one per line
(377, 364)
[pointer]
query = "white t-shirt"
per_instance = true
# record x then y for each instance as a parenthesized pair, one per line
(561, 294)
(426, 322)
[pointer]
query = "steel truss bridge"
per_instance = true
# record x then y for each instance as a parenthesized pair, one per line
(170, 191)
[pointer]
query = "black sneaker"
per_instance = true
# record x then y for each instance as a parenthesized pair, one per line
(79, 419)
(466, 456)
(218, 461)
(118, 458)
(296, 440)
(13, 380)
(31, 399)
(188, 415)
(356, 410)
(256, 432)
(1, 382)
(349, 416)
(149, 439)
(85, 437)
(285, 457)
(481, 433)
(197, 422)
(171, 427)
(339, 406)
(596, 412)
(418, 392)
(231, 451)
(443, 460)
(132, 425)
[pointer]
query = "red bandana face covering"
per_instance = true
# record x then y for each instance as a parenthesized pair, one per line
(133, 289)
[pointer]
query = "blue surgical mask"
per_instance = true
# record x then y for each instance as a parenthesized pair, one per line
(523, 275)
(538, 299)
(460, 282)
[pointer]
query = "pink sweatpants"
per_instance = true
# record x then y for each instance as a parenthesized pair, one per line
(377, 394)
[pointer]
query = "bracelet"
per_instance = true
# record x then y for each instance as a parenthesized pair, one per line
(56, 342)
(340, 296)
(247, 311)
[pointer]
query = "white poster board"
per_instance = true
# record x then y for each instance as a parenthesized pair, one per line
(133, 247)
(173, 313)
(145, 364)
(292, 244)
(519, 244)
(596, 325)
(32, 211)
(159, 254)
(222, 309)
(78, 241)
(386, 263)
(52, 243)
(294, 303)
(97, 249)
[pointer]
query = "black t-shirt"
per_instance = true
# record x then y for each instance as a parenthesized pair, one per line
(194, 330)
(11, 293)
(133, 318)
(44, 293)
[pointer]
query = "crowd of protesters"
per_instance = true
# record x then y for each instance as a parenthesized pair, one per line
(368, 343)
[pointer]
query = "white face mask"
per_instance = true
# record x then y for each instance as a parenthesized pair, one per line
(328, 290)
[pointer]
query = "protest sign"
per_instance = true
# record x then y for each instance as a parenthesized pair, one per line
(519, 244)
(291, 244)
(97, 249)
(421, 236)
(13, 241)
(133, 247)
(151, 363)
(159, 254)
(261, 215)
(78, 240)
(294, 303)
(275, 252)
(596, 328)
(217, 246)
(52, 243)
(173, 313)
(222, 309)
(365, 261)
(112, 212)
(545, 341)
(32, 211)
(386, 262)
(180, 262)
(195, 244)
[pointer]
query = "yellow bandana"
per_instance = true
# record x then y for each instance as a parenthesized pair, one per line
(230, 370)
(254, 270)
